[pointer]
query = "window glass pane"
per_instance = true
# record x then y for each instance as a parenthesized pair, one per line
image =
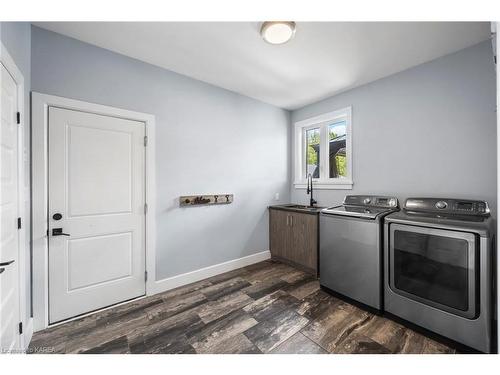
(432, 267)
(337, 149)
(312, 152)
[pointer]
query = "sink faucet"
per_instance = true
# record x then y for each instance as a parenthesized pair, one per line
(312, 202)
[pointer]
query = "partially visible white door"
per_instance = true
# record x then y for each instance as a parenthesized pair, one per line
(96, 212)
(9, 209)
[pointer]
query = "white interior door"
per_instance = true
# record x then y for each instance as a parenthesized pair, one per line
(9, 209)
(97, 186)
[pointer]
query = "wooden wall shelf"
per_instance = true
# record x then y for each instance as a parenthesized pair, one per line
(205, 200)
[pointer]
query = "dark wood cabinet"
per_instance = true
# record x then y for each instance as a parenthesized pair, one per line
(279, 232)
(293, 238)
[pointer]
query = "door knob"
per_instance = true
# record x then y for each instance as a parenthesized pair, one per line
(58, 232)
(6, 263)
(57, 216)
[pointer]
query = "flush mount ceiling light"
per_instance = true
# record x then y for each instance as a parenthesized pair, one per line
(277, 32)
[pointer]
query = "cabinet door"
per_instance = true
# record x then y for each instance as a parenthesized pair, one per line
(279, 232)
(304, 247)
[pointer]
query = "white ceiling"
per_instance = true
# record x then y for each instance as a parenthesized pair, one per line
(323, 59)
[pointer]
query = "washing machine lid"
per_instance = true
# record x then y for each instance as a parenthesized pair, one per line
(356, 211)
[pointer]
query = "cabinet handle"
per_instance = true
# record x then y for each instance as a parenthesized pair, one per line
(291, 220)
(287, 220)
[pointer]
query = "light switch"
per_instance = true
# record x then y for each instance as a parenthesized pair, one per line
(277, 196)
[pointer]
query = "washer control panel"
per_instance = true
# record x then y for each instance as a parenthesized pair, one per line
(371, 201)
(448, 205)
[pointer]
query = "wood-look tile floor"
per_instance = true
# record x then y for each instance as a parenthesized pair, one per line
(267, 307)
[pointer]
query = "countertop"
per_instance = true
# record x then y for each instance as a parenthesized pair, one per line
(303, 209)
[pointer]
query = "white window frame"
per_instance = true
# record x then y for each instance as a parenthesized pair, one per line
(322, 122)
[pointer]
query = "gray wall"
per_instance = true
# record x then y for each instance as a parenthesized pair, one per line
(208, 140)
(427, 131)
(16, 37)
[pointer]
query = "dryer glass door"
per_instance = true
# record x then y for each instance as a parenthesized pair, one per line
(435, 267)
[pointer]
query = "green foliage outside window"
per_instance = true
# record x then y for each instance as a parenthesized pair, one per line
(341, 162)
(312, 140)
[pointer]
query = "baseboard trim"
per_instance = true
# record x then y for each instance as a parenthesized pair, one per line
(203, 273)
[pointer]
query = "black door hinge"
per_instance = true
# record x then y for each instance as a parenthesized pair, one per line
(18, 223)
(145, 275)
(18, 117)
(20, 328)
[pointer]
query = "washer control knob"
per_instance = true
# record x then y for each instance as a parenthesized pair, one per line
(367, 201)
(392, 202)
(441, 205)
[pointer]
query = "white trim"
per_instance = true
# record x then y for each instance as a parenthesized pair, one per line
(40, 104)
(8, 62)
(324, 117)
(203, 273)
(298, 152)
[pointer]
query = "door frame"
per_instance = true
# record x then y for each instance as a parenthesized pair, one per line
(40, 104)
(8, 62)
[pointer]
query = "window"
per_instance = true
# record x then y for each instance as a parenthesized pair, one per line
(323, 150)
(312, 154)
(337, 150)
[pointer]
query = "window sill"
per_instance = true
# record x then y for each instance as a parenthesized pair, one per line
(326, 185)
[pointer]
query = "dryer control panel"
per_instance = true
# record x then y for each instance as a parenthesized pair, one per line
(448, 205)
